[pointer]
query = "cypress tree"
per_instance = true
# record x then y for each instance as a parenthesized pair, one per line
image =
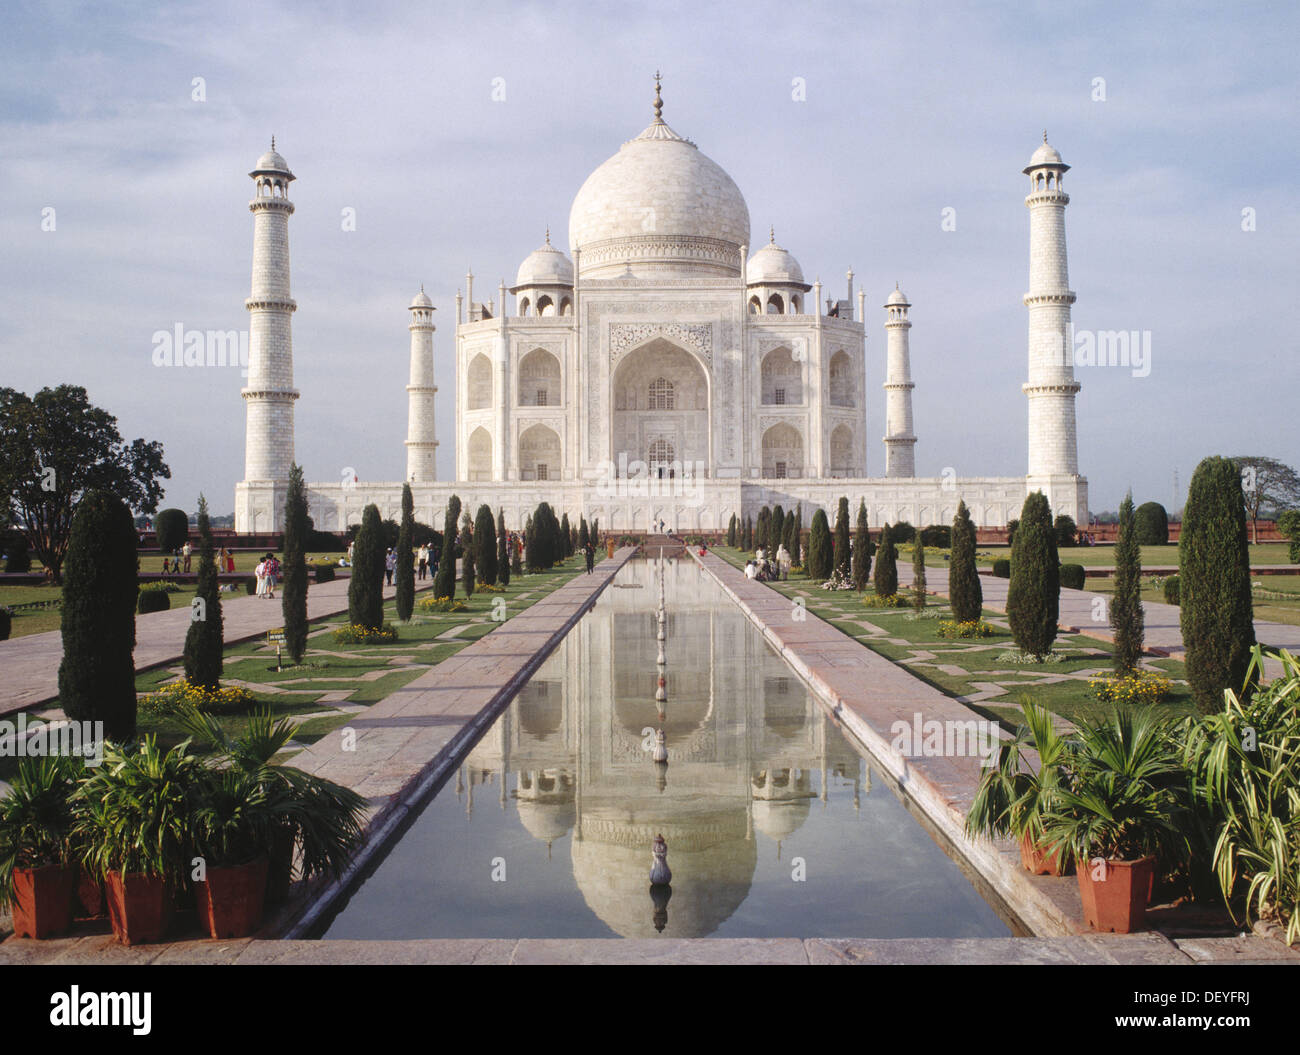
(467, 569)
(918, 573)
(761, 528)
(1034, 592)
(584, 536)
(747, 537)
(205, 637)
(404, 575)
(1215, 608)
(886, 577)
(595, 532)
(503, 548)
(820, 555)
(516, 557)
(297, 528)
(530, 545)
(776, 532)
(97, 673)
(566, 549)
(366, 589)
(731, 531)
(485, 546)
(1126, 616)
(445, 583)
(842, 555)
(861, 549)
(794, 534)
(965, 594)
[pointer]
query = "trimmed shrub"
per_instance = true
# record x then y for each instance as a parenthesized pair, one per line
(152, 601)
(1002, 568)
(250, 584)
(731, 531)
(1214, 583)
(6, 624)
(776, 532)
(918, 576)
(323, 572)
(938, 536)
(901, 532)
(172, 528)
(886, 577)
(1126, 616)
(404, 572)
(861, 549)
(293, 595)
(1288, 525)
(842, 555)
(468, 572)
(17, 559)
(444, 584)
(1012, 524)
(485, 545)
(1066, 531)
(1170, 589)
(820, 554)
(1152, 524)
(97, 673)
(503, 546)
(205, 643)
(366, 588)
(1034, 593)
(1072, 576)
(965, 594)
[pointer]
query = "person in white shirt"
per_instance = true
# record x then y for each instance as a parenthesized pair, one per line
(260, 572)
(783, 561)
(750, 570)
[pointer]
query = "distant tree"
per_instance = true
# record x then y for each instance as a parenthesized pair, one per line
(503, 548)
(886, 577)
(841, 556)
(1012, 524)
(467, 569)
(566, 550)
(1034, 592)
(584, 535)
(54, 447)
(205, 637)
(171, 529)
(1066, 531)
(731, 531)
(762, 528)
(485, 546)
(747, 539)
(1126, 615)
(1288, 524)
(794, 533)
(1216, 612)
(965, 595)
(293, 599)
(821, 556)
(902, 532)
(97, 672)
(918, 574)
(861, 549)
(366, 587)
(776, 529)
(444, 584)
(404, 575)
(1151, 523)
(1266, 485)
(595, 531)
(544, 551)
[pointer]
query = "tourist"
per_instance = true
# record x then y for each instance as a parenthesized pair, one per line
(351, 545)
(260, 572)
(750, 570)
(783, 561)
(165, 566)
(272, 574)
(390, 565)
(423, 555)
(221, 559)
(230, 562)
(186, 550)
(590, 553)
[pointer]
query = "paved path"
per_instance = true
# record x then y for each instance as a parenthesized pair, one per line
(29, 666)
(404, 746)
(1145, 948)
(1088, 612)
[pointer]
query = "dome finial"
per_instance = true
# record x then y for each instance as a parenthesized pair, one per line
(659, 102)
(273, 141)
(548, 234)
(771, 234)
(1044, 135)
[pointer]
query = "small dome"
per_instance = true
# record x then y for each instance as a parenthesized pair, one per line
(1046, 154)
(272, 161)
(546, 266)
(773, 266)
(421, 300)
(897, 297)
(781, 819)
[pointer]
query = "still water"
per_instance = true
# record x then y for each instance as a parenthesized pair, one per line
(774, 824)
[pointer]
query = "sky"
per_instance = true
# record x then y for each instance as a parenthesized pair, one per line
(457, 133)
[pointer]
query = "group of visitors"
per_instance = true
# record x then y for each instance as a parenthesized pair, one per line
(179, 562)
(425, 564)
(765, 568)
(268, 574)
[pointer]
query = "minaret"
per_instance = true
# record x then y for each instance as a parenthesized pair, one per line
(421, 441)
(900, 443)
(1051, 388)
(269, 395)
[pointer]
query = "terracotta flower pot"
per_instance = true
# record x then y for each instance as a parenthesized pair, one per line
(90, 895)
(1036, 860)
(230, 900)
(1116, 893)
(279, 875)
(139, 906)
(42, 901)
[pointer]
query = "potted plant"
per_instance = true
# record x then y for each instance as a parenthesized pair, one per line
(1124, 812)
(321, 818)
(38, 873)
(232, 817)
(1013, 794)
(134, 825)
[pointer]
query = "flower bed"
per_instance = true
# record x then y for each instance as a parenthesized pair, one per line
(893, 600)
(1138, 687)
(443, 604)
(177, 696)
(969, 628)
(356, 634)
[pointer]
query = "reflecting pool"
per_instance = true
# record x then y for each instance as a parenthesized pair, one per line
(774, 824)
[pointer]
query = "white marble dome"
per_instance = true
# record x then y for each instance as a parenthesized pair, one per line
(1046, 154)
(773, 266)
(659, 204)
(421, 300)
(545, 266)
(272, 161)
(897, 297)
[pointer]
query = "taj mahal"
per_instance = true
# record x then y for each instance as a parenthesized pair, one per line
(660, 371)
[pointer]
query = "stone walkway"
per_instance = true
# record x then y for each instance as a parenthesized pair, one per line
(29, 666)
(1145, 948)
